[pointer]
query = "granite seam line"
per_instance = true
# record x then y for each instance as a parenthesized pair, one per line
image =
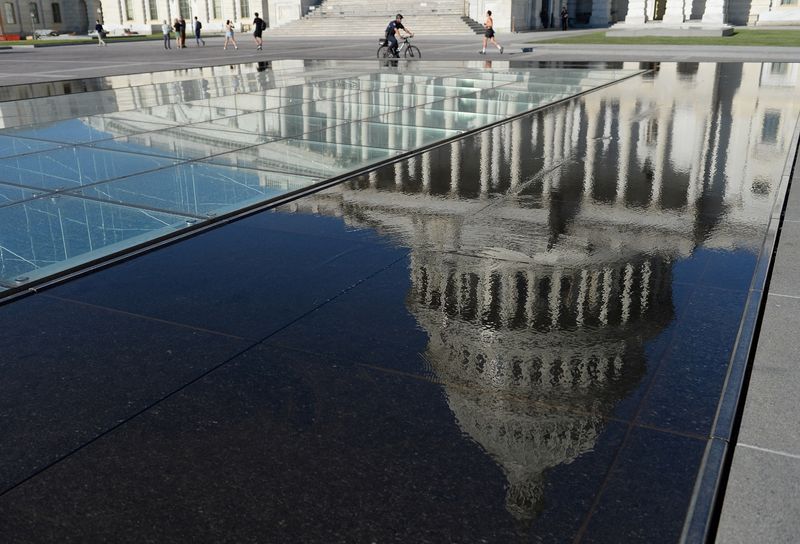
(616, 460)
(251, 345)
(563, 408)
(142, 316)
(774, 294)
(768, 450)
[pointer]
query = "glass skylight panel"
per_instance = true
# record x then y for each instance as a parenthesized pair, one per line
(89, 174)
(11, 146)
(43, 236)
(197, 188)
(11, 194)
(71, 167)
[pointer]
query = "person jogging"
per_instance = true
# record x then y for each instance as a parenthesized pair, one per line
(488, 36)
(197, 27)
(258, 27)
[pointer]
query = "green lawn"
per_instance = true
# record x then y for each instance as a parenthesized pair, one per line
(745, 36)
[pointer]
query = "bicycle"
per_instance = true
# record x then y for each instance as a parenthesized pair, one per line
(409, 51)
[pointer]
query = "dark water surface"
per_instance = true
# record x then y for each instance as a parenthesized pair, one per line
(520, 336)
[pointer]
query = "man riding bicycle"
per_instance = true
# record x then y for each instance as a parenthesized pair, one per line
(393, 32)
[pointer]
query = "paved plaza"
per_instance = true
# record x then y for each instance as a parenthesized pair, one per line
(307, 295)
(29, 64)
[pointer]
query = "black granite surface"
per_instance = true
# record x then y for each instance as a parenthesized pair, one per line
(518, 337)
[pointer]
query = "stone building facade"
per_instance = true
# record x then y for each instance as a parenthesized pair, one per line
(26, 17)
(145, 16)
(23, 17)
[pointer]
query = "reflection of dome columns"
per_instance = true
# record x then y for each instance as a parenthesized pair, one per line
(507, 294)
(607, 120)
(703, 138)
(455, 167)
(624, 128)
(592, 109)
(485, 161)
(419, 122)
(497, 152)
(516, 155)
(661, 155)
(548, 127)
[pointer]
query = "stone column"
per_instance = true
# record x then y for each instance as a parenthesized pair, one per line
(716, 12)
(637, 12)
(674, 12)
(601, 12)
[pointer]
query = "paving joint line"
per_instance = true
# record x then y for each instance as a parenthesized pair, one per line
(768, 450)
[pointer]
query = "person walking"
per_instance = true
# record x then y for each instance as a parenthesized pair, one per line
(197, 39)
(183, 32)
(100, 32)
(229, 35)
(258, 27)
(166, 30)
(564, 17)
(488, 36)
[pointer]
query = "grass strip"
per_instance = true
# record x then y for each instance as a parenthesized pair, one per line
(743, 37)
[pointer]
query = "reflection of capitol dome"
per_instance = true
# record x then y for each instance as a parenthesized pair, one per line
(533, 343)
(533, 358)
(538, 276)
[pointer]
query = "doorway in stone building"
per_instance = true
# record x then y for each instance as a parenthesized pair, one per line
(83, 27)
(659, 7)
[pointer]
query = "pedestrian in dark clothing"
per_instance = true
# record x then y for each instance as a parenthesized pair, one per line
(183, 33)
(258, 27)
(176, 26)
(100, 33)
(197, 26)
(564, 17)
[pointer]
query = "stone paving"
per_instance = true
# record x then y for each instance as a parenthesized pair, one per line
(761, 503)
(26, 65)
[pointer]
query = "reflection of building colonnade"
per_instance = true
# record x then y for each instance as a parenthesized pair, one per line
(538, 307)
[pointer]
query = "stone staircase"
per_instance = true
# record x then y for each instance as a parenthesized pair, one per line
(355, 18)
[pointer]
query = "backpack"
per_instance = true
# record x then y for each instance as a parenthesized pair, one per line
(263, 24)
(390, 30)
(199, 25)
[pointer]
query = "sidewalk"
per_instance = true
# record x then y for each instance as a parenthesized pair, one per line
(761, 501)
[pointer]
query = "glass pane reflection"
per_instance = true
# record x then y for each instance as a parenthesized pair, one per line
(139, 156)
(54, 233)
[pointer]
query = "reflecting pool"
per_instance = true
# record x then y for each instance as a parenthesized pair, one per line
(520, 335)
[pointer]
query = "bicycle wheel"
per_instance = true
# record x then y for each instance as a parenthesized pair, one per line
(383, 52)
(412, 52)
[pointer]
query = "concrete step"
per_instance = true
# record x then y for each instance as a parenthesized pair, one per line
(428, 25)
